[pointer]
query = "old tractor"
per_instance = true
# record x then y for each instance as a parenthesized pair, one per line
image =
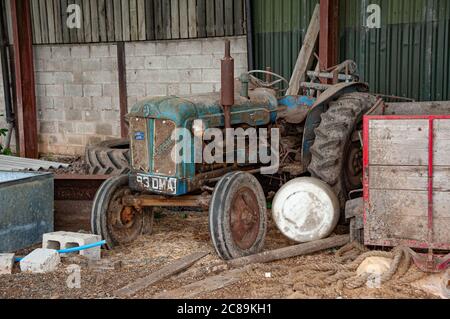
(319, 137)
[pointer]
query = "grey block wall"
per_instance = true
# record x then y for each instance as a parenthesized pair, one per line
(77, 85)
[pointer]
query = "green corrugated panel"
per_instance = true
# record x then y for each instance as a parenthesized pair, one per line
(279, 29)
(409, 56)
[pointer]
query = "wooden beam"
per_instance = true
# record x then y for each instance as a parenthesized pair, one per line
(123, 94)
(306, 55)
(292, 251)
(25, 83)
(329, 33)
(174, 268)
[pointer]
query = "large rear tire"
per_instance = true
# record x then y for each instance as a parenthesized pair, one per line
(110, 157)
(116, 223)
(238, 216)
(336, 157)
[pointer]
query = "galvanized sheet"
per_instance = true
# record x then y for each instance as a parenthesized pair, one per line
(12, 163)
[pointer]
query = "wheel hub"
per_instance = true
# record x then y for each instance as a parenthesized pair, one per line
(244, 218)
(354, 166)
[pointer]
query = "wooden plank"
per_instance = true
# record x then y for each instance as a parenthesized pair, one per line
(201, 18)
(126, 21)
(123, 94)
(184, 24)
(175, 17)
(442, 142)
(94, 21)
(306, 55)
(141, 20)
(173, 268)
(149, 20)
(157, 7)
(73, 36)
(418, 108)
(133, 21)
(50, 21)
(118, 20)
(102, 21)
(239, 17)
(210, 24)
(413, 178)
(388, 137)
(87, 21)
(292, 251)
(58, 22)
(36, 17)
(166, 19)
(65, 29)
(8, 20)
(192, 14)
(80, 31)
(110, 20)
(219, 18)
(44, 21)
(204, 286)
(229, 18)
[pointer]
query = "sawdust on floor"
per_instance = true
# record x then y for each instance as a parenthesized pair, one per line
(176, 235)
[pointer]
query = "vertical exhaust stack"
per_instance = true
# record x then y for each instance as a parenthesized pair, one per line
(227, 84)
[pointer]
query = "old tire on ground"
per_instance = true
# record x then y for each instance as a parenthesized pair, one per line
(115, 223)
(238, 216)
(335, 157)
(110, 157)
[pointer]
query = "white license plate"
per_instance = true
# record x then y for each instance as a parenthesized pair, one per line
(157, 183)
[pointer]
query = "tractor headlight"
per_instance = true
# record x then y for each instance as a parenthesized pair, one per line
(198, 128)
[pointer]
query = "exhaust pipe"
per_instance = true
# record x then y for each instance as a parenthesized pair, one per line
(227, 84)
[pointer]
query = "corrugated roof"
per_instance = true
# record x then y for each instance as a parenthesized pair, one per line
(12, 163)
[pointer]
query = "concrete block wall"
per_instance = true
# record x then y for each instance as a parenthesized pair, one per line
(78, 93)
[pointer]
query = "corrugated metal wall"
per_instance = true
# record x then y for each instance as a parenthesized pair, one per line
(409, 56)
(279, 28)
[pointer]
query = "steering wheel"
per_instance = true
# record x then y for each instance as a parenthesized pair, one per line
(268, 85)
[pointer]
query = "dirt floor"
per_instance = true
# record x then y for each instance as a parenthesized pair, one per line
(176, 235)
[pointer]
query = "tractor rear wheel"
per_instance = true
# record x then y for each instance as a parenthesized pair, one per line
(109, 157)
(238, 216)
(336, 155)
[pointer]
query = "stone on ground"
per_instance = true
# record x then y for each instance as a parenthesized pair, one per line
(6, 264)
(40, 260)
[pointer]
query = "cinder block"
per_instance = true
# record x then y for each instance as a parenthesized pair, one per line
(192, 75)
(100, 50)
(73, 115)
(79, 52)
(202, 88)
(144, 49)
(211, 75)
(155, 89)
(40, 261)
(65, 240)
(155, 62)
(6, 264)
(104, 129)
(73, 90)
(178, 62)
(63, 77)
(47, 127)
(189, 47)
(55, 90)
(202, 62)
(137, 89)
(92, 90)
(135, 63)
(60, 52)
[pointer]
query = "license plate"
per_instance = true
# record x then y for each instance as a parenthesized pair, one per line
(157, 183)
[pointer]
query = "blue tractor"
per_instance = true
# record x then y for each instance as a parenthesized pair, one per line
(320, 136)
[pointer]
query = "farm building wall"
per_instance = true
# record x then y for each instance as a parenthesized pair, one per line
(78, 92)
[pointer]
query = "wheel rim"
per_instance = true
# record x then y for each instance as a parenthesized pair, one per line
(244, 218)
(354, 167)
(124, 222)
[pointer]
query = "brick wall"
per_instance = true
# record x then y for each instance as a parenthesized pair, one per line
(77, 85)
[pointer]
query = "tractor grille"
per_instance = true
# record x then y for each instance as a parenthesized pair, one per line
(139, 144)
(163, 163)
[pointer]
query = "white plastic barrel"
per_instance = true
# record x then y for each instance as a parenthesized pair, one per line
(306, 209)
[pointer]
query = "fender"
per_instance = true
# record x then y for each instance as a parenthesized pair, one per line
(320, 106)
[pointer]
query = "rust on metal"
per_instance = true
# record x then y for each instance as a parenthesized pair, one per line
(163, 145)
(244, 218)
(26, 116)
(123, 94)
(77, 187)
(140, 201)
(227, 84)
(329, 34)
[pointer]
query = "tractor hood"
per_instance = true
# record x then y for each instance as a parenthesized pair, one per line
(259, 110)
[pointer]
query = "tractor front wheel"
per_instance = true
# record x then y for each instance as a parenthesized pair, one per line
(116, 223)
(238, 216)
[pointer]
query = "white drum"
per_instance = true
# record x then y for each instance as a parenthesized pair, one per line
(306, 209)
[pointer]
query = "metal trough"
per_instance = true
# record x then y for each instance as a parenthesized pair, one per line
(26, 209)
